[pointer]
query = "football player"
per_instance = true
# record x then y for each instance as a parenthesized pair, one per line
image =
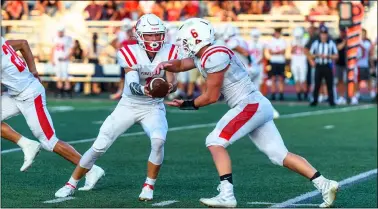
(60, 58)
(136, 105)
(250, 114)
(299, 62)
(26, 95)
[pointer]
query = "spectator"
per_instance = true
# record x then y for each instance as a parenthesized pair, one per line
(50, 7)
(363, 64)
(289, 8)
(341, 66)
(333, 7)
(93, 11)
(276, 8)
(173, 9)
(132, 10)
(191, 9)
(16, 10)
(77, 52)
(93, 52)
(158, 9)
(313, 35)
(320, 9)
(256, 7)
(323, 51)
(276, 49)
(109, 11)
(373, 52)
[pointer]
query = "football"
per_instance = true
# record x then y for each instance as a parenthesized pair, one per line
(158, 87)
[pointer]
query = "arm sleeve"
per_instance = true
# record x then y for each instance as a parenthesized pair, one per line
(132, 80)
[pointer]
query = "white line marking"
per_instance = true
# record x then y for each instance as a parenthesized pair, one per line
(165, 203)
(272, 203)
(293, 115)
(309, 195)
(62, 199)
(329, 127)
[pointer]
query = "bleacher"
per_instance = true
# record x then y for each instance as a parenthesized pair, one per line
(32, 30)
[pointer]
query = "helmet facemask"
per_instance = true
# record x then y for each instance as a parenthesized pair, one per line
(185, 49)
(151, 46)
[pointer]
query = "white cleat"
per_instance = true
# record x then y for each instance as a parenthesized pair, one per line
(66, 191)
(30, 152)
(328, 189)
(147, 193)
(341, 101)
(92, 178)
(354, 101)
(225, 199)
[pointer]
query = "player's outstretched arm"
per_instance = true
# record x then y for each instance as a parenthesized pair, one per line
(24, 48)
(172, 81)
(176, 66)
(214, 83)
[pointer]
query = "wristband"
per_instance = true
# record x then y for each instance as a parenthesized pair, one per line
(188, 105)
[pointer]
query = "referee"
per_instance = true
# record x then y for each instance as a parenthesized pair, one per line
(322, 53)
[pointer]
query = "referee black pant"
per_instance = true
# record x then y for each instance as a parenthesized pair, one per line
(323, 71)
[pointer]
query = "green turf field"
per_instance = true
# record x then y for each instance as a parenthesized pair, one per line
(341, 143)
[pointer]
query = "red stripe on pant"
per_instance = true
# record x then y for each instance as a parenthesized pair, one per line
(237, 122)
(42, 118)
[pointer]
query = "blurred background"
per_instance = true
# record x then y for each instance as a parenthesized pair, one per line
(98, 28)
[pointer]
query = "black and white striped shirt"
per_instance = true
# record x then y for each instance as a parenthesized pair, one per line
(326, 48)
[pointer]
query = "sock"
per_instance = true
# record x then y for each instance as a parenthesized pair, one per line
(316, 175)
(227, 177)
(150, 182)
(23, 142)
(72, 182)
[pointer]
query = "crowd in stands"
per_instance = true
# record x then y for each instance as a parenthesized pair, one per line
(166, 10)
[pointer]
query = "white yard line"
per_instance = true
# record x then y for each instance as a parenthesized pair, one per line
(164, 203)
(62, 199)
(308, 195)
(272, 203)
(180, 128)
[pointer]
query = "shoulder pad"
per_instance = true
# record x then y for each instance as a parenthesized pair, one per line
(216, 59)
(126, 56)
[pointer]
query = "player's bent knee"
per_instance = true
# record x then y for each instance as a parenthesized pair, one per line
(157, 151)
(89, 158)
(213, 140)
(49, 145)
(277, 156)
(102, 143)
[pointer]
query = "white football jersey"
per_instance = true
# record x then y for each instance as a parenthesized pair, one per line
(62, 47)
(277, 45)
(235, 41)
(256, 51)
(133, 55)
(299, 49)
(236, 84)
(15, 73)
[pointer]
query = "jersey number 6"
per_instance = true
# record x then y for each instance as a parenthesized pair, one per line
(15, 59)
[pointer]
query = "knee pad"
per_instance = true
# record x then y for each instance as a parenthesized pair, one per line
(214, 140)
(89, 158)
(103, 142)
(157, 151)
(277, 155)
(49, 145)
